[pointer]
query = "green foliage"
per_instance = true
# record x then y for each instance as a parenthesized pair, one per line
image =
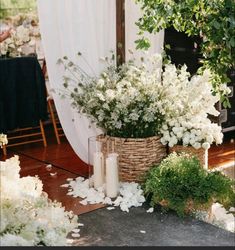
(13, 7)
(213, 20)
(181, 182)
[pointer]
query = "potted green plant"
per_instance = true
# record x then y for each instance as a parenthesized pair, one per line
(212, 20)
(179, 183)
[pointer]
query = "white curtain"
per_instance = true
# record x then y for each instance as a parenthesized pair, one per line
(68, 27)
(89, 27)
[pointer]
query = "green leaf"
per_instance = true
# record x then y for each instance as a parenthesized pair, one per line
(232, 41)
(143, 43)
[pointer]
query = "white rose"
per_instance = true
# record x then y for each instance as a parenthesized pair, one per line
(206, 145)
(196, 145)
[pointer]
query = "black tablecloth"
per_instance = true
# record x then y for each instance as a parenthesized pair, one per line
(22, 93)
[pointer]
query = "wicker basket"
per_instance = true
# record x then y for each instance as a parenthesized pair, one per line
(201, 153)
(136, 156)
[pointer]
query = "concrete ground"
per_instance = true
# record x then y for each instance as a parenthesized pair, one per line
(116, 228)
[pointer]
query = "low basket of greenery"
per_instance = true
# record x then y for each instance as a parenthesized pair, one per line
(179, 183)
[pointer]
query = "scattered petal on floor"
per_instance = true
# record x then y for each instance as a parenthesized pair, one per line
(232, 209)
(80, 224)
(150, 210)
(108, 201)
(48, 167)
(69, 179)
(130, 194)
(76, 230)
(65, 185)
(83, 202)
(75, 235)
(53, 174)
(142, 231)
(110, 208)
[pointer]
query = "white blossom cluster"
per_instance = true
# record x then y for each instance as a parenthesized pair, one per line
(130, 194)
(146, 100)
(3, 140)
(12, 45)
(25, 31)
(28, 217)
(124, 102)
(189, 102)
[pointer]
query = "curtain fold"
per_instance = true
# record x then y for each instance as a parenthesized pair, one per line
(87, 26)
(68, 27)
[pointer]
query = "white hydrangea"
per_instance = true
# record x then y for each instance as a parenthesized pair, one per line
(28, 217)
(14, 240)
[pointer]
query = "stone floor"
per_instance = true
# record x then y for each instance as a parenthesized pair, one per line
(116, 228)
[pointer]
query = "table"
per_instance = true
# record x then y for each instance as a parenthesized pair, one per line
(23, 97)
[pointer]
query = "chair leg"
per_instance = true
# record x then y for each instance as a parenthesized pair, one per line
(4, 150)
(53, 121)
(43, 134)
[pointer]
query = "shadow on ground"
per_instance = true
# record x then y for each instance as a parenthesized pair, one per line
(116, 228)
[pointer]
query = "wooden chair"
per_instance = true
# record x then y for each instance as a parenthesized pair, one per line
(51, 108)
(24, 136)
(4, 149)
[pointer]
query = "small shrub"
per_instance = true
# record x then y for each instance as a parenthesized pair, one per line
(181, 184)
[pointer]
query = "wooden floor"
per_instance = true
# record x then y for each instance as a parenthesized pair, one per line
(35, 158)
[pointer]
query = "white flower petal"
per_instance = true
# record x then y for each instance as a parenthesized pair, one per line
(150, 210)
(65, 185)
(110, 208)
(76, 230)
(75, 235)
(53, 174)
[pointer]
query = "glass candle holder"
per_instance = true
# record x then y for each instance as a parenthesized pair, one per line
(103, 166)
(96, 163)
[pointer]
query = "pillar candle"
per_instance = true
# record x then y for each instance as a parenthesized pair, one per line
(206, 159)
(112, 176)
(98, 169)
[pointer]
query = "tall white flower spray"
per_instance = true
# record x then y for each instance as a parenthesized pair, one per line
(189, 102)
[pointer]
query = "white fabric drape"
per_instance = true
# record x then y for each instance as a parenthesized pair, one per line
(89, 27)
(68, 27)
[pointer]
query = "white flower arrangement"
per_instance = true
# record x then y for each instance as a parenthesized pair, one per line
(3, 140)
(124, 101)
(140, 101)
(25, 32)
(12, 45)
(28, 217)
(190, 101)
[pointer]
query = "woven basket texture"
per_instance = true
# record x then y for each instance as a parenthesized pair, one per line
(136, 155)
(200, 153)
